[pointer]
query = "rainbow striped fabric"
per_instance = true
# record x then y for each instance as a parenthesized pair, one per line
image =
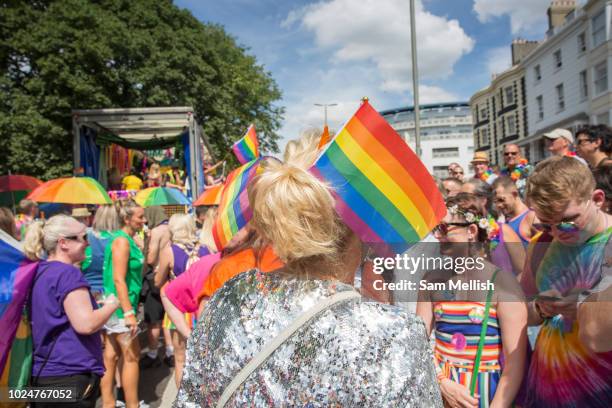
(16, 276)
(234, 209)
(383, 191)
(247, 148)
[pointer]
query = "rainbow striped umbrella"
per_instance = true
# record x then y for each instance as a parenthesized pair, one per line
(210, 196)
(71, 190)
(161, 196)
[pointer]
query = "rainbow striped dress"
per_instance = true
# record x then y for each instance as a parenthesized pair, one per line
(563, 373)
(457, 331)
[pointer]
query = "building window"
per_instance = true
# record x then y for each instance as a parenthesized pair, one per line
(603, 119)
(557, 60)
(485, 137)
(581, 43)
(445, 152)
(584, 86)
(540, 104)
(538, 73)
(484, 114)
(511, 125)
(440, 171)
(598, 27)
(560, 98)
(509, 95)
(600, 79)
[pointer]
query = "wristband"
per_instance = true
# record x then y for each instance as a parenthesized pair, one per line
(129, 313)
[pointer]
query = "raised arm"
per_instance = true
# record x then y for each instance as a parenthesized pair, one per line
(83, 318)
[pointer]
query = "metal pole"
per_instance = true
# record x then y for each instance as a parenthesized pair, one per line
(415, 81)
(325, 105)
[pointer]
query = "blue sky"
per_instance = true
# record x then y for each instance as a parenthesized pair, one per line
(336, 51)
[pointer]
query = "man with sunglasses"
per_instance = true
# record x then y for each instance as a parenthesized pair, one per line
(516, 168)
(594, 144)
(455, 170)
(572, 284)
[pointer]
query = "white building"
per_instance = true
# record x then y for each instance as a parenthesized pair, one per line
(566, 76)
(446, 134)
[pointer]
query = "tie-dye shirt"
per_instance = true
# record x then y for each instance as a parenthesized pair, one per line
(563, 373)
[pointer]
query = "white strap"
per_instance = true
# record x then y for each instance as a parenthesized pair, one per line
(276, 342)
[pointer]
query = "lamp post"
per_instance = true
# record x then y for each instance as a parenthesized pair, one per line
(325, 106)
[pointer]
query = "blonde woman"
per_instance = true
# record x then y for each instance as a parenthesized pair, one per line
(65, 321)
(123, 264)
(174, 259)
(343, 353)
(105, 223)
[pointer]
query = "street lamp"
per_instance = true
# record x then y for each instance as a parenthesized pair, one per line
(325, 106)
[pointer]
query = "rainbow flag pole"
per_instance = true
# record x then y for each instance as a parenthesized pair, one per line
(383, 191)
(247, 148)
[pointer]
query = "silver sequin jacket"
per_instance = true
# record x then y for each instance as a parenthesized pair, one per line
(356, 354)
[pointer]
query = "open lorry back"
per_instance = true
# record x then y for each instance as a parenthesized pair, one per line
(139, 129)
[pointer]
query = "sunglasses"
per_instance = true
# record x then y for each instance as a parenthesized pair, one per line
(510, 153)
(580, 142)
(563, 227)
(79, 238)
(444, 227)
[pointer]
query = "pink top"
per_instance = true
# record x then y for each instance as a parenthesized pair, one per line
(183, 291)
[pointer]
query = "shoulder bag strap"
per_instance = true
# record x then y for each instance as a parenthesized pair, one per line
(481, 341)
(276, 342)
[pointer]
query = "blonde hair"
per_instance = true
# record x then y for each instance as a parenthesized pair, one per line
(294, 212)
(182, 229)
(557, 181)
(302, 152)
(106, 219)
(43, 235)
(206, 236)
(126, 210)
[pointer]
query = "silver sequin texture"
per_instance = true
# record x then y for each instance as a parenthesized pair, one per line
(357, 354)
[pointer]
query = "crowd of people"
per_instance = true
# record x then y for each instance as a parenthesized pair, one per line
(283, 315)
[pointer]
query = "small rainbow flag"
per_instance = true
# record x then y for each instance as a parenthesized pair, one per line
(234, 209)
(247, 148)
(383, 191)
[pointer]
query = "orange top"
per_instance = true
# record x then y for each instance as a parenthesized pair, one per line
(236, 263)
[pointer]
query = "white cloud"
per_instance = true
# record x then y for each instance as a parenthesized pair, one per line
(433, 94)
(526, 16)
(378, 32)
(499, 59)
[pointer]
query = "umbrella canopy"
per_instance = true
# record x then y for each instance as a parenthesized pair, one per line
(161, 196)
(71, 190)
(211, 196)
(18, 182)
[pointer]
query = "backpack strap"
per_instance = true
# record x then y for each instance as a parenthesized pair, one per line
(483, 334)
(261, 357)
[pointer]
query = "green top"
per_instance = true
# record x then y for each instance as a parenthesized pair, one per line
(133, 277)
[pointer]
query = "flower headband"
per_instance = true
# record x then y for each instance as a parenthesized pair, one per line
(486, 223)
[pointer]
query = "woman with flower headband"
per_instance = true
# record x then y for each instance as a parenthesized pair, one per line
(475, 330)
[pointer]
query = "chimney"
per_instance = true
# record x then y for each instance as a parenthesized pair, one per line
(521, 48)
(557, 11)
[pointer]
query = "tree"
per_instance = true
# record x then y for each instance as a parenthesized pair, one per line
(75, 54)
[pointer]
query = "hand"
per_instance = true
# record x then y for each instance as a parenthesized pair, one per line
(566, 306)
(132, 323)
(457, 395)
(112, 300)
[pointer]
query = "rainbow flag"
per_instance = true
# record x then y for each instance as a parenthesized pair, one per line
(247, 148)
(383, 191)
(16, 277)
(234, 209)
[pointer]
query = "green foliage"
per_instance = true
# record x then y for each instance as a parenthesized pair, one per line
(75, 54)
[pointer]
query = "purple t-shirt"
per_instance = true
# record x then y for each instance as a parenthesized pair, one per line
(73, 353)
